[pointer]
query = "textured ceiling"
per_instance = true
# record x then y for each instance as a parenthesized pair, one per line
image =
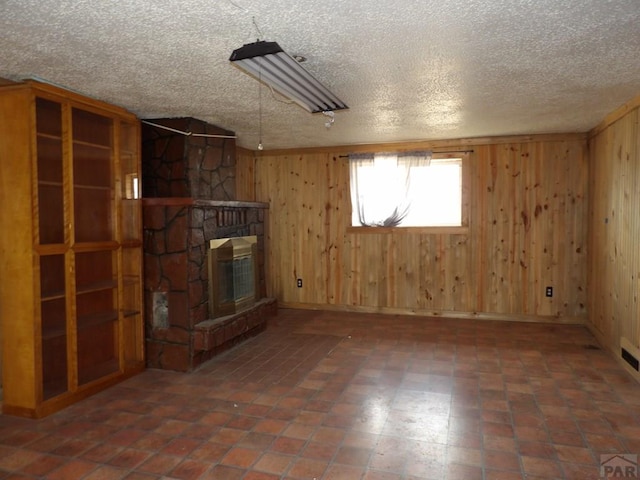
(409, 70)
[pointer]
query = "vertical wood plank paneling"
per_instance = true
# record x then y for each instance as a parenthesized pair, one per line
(245, 175)
(614, 229)
(527, 211)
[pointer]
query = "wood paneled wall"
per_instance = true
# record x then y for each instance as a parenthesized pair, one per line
(614, 228)
(527, 230)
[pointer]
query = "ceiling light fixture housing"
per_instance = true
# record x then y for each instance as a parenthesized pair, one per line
(268, 63)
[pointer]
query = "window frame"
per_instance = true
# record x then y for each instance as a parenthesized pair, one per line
(463, 228)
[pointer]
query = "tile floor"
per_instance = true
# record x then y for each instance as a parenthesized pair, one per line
(340, 396)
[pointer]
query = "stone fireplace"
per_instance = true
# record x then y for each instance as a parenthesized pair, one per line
(188, 185)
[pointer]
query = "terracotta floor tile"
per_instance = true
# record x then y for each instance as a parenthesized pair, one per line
(180, 446)
(542, 467)
(465, 440)
(376, 475)
(580, 455)
(270, 426)
(256, 440)
(261, 476)
(336, 395)
(139, 476)
(352, 456)
(223, 472)
(329, 435)
(172, 427)
(42, 465)
(105, 472)
(151, 441)
(464, 456)
(240, 457)
(287, 445)
(159, 464)
(242, 422)
(498, 429)
(319, 451)
(425, 467)
(297, 430)
(273, 463)
(343, 472)
(189, 469)
(306, 468)
(537, 449)
(101, 453)
(129, 458)
(497, 460)
(74, 469)
(16, 459)
(573, 439)
(454, 471)
(502, 475)
(210, 452)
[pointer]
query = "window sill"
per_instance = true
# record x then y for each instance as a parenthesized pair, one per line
(463, 230)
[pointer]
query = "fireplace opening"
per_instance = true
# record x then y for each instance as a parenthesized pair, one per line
(233, 275)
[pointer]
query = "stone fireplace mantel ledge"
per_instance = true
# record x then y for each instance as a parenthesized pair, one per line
(177, 201)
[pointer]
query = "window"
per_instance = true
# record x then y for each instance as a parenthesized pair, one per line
(406, 190)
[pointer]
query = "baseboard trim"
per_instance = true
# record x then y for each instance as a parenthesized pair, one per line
(614, 350)
(438, 313)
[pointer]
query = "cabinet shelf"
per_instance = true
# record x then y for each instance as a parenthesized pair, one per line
(52, 333)
(96, 287)
(49, 183)
(83, 143)
(86, 322)
(72, 248)
(49, 296)
(91, 187)
(49, 136)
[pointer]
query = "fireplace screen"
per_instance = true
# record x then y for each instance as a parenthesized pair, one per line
(232, 275)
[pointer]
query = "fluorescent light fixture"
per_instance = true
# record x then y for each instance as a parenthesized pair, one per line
(268, 63)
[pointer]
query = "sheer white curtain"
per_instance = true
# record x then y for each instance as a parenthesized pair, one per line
(380, 185)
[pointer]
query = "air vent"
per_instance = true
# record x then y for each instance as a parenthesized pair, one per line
(630, 359)
(629, 353)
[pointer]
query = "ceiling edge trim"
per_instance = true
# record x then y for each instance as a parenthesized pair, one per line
(429, 144)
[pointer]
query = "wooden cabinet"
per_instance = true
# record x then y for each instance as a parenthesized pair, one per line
(70, 247)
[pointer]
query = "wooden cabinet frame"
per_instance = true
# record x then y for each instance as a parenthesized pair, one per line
(70, 244)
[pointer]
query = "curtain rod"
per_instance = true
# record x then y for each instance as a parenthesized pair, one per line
(439, 151)
(188, 134)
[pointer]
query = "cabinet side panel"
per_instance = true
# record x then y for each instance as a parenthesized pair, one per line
(17, 280)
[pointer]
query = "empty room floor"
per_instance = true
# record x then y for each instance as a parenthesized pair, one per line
(344, 396)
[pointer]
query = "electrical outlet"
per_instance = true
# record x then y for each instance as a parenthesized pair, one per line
(299, 283)
(549, 292)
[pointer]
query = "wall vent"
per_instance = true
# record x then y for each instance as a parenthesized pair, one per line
(629, 353)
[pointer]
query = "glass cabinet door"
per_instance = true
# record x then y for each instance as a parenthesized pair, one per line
(131, 256)
(51, 233)
(97, 314)
(53, 315)
(95, 254)
(130, 183)
(93, 202)
(49, 172)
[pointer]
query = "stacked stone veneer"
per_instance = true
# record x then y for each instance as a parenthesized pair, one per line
(176, 244)
(191, 166)
(186, 203)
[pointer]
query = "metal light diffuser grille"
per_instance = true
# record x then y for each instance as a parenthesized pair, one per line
(267, 62)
